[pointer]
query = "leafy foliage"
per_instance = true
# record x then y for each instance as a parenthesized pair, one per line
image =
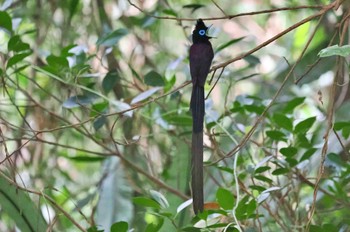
(95, 123)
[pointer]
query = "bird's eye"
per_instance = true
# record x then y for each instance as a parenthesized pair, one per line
(202, 32)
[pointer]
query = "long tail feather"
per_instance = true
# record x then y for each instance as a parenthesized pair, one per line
(197, 108)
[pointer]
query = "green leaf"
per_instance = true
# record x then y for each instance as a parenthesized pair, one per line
(229, 43)
(110, 80)
(120, 227)
(194, 7)
(252, 60)
(155, 225)
(344, 127)
(94, 229)
(283, 121)
(308, 154)
(261, 169)
(276, 135)
(146, 202)
(170, 12)
(15, 44)
(178, 120)
(263, 178)
(292, 104)
(280, 171)
(305, 125)
(86, 159)
(258, 109)
(57, 62)
(5, 21)
(225, 198)
(99, 122)
(112, 38)
(170, 83)
(335, 50)
(21, 209)
(17, 58)
(288, 151)
(154, 79)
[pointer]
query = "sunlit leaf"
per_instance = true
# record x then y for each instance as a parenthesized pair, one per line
(120, 227)
(5, 21)
(157, 196)
(144, 95)
(225, 198)
(146, 202)
(305, 125)
(17, 58)
(15, 44)
(292, 104)
(335, 50)
(184, 205)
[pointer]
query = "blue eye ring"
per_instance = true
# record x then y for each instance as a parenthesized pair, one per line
(201, 32)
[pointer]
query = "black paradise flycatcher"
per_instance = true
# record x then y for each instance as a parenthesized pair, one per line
(201, 56)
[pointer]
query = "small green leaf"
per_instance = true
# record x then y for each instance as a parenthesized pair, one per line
(5, 21)
(308, 154)
(302, 141)
(305, 125)
(57, 62)
(225, 198)
(146, 202)
(170, 12)
(344, 127)
(86, 159)
(276, 135)
(252, 60)
(288, 151)
(227, 44)
(15, 44)
(155, 225)
(263, 178)
(335, 50)
(112, 38)
(99, 122)
(154, 79)
(178, 120)
(280, 171)
(170, 83)
(261, 169)
(258, 109)
(94, 229)
(120, 227)
(283, 121)
(292, 104)
(17, 58)
(110, 80)
(194, 7)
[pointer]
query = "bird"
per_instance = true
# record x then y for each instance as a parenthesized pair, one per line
(201, 55)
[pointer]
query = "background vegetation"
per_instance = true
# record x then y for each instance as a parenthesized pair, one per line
(95, 129)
